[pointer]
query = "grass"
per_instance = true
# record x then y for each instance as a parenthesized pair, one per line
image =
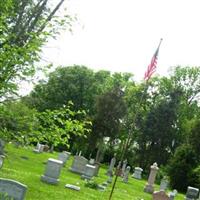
(28, 172)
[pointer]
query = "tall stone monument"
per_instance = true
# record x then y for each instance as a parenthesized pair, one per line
(149, 188)
(111, 166)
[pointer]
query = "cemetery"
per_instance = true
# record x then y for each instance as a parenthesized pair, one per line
(29, 172)
(100, 132)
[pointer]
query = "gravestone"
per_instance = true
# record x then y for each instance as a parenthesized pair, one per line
(172, 194)
(91, 161)
(161, 195)
(39, 148)
(192, 193)
(137, 173)
(13, 189)
(109, 179)
(73, 187)
(79, 164)
(118, 171)
(2, 146)
(126, 173)
(149, 188)
(1, 161)
(64, 156)
(52, 171)
(124, 167)
(111, 166)
(164, 184)
(89, 172)
(97, 167)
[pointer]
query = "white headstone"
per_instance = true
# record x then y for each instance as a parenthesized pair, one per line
(73, 187)
(89, 172)
(137, 173)
(13, 189)
(39, 148)
(52, 171)
(164, 184)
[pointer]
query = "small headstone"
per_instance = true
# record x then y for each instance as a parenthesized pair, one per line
(164, 184)
(172, 194)
(2, 146)
(64, 156)
(109, 179)
(101, 187)
(73, 187)
(126, 173)
(192, 193)
(137, 173)
(52, 171)
(13, 189)
(97, 167)
(111, 167)
(1, 161)
(79, 164)
(161, 195)
(39, 148)
(91, 161)
(124, 167)
(89, 172)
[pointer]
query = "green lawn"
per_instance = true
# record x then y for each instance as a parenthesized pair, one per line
(28, 172)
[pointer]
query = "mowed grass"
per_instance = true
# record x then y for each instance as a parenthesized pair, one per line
(28, 172)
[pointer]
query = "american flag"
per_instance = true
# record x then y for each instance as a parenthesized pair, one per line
(152, 66)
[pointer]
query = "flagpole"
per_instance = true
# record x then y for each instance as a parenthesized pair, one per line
(126, 143)
(129, 135)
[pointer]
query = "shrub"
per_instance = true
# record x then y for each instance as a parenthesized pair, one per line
(181, 166)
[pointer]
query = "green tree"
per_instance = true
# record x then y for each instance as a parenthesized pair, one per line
(57, 126)
(65, 84)
(110, 109)
(181, 166)
(25, 25)
(17, 122)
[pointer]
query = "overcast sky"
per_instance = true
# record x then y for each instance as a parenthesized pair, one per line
(122, 35)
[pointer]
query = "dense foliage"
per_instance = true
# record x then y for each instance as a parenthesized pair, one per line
(24, 27)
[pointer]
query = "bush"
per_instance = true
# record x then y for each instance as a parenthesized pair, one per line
(195, 177)
(181, 166)
(91, 184)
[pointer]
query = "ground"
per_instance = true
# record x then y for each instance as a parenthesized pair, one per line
(25, 166)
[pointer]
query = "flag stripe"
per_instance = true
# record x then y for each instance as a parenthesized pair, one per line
(152, 66)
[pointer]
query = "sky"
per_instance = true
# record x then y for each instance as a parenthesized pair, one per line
(122, 35)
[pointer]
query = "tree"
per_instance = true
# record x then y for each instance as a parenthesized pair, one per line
(180, 167)
(17, 122)
(57, 126)
(78, 84)
(110, 109)
(25, 25)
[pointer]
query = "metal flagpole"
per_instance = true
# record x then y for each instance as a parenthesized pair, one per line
(150, 71)
(126, 144)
